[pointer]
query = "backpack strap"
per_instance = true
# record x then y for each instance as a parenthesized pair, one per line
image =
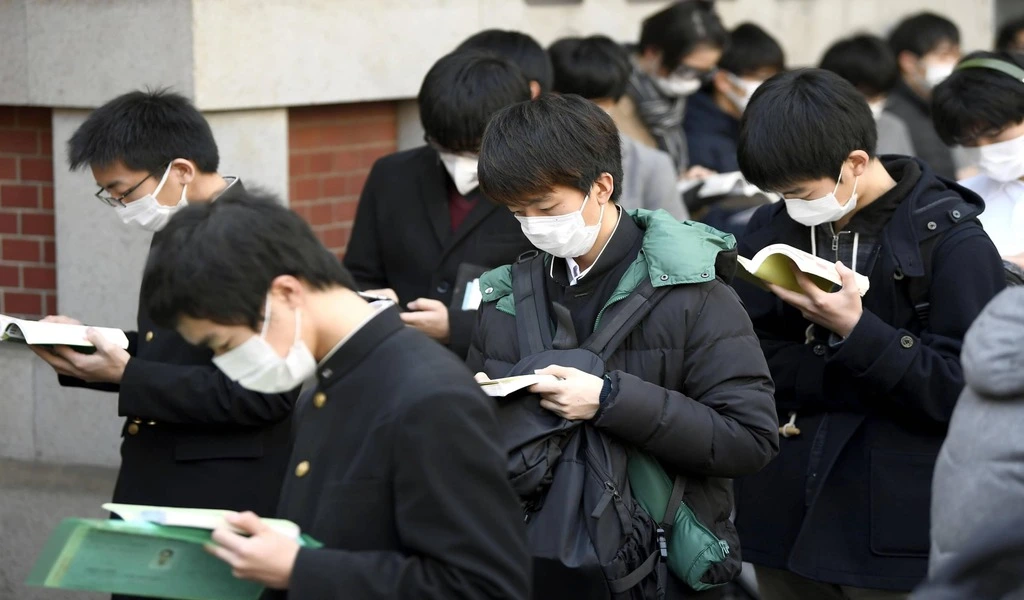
(674, 500)
(920, 287)
(624, 318)
(532, 317)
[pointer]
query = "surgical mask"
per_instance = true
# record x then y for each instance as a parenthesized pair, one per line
(877, 108)
(1003, 161)
(678, 86)
(822, 210)
(462, 170)
(937, 73)
(748, 87)
(149, 214)
(256, 366)
(564, 236)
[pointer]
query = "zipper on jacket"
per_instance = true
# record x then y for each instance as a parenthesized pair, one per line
(602, 505)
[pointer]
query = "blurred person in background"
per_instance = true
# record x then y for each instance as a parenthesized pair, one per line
(518, 48)
(598, 69)
(1011, 36)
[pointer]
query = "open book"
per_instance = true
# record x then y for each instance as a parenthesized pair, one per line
(24, 331)
(772, 265)
(155, 552)
(508, 385)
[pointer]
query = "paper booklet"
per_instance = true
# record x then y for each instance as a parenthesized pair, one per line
(508, 385)
(772, 265)
(54, 334)
(155, 552)
(722, 184)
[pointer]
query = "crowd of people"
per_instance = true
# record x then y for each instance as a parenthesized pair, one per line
(852, 443)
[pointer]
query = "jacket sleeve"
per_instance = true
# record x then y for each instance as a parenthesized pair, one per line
(456, 516)
(461, 324)
(363, 254)
(661, 190)
(74, 382)
(722, 422)
(195, 394)
(922, 375)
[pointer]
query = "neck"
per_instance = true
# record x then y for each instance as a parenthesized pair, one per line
(608, 222)
(605, 104)
(205, 187)
(915, 84)
(337, 312)
(726, 105)
(871, 186)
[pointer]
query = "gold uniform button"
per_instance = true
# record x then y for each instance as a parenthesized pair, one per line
(149, 336)
(133, 429)
(302, 468)
(319, 400)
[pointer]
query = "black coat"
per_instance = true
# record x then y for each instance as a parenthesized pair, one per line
(847, 501)
(397, 470)
(402, 236)
(192, 437)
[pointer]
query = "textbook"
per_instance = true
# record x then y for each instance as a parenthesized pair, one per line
(507, 385)
(772, 265)
(156, 552)
(24, 331)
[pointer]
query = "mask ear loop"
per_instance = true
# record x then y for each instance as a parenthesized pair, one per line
(266, 318)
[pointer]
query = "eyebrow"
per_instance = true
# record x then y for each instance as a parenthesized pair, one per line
(113, 183)
(791, 192)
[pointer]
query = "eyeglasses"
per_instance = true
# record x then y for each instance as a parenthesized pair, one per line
(688, 72)
(119, 201)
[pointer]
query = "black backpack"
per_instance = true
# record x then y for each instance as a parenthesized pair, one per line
(588, 536)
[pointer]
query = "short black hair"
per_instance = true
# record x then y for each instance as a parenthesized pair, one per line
(976, 101)
(750, 50)
(921, 33)
(531, 147)
(1007, 36)
(521, 49)
(145, 130)
(594, 67)
(217, 261)
(866, 61)
(460, 94)
(680, 27)
(802, 125)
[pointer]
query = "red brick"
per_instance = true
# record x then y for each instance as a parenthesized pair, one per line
(15, 141)
(373, 154)
(51, 304)
(307, 189)
(303, 210)
(384, 131)
(303, 138)
(345, 211)
(50, 253)
(9, 277)
(33, 117)
(332, 237)
(347, 160)
(47, 196)
(8, 116)
(335, 135)
(321, 163)
(37, 169)
(354, 184)
(19, 196)
(8, 222)
(37, 224)
(23, 304)
(334, 187)
(45, 143)
(8, 168)
(23, 250)
(39, 278)
(297, 165)
(321, 214)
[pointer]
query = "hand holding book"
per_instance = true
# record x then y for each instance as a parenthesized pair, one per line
(838, 312)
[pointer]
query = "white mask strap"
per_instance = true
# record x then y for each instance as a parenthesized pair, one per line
(266, 318)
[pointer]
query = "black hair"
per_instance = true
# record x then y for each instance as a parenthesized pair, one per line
(866, 61)
(517, 47)
(976, 101)
(594, 67)
(750, 50)
(1007, 36)
(802, 125)
(460, 94)
(679, 28)
(531, 147)
(922, 33)
(217, 261)
(146, 131)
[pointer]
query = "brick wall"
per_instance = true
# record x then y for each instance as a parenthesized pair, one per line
(28, 276)
(331, 149)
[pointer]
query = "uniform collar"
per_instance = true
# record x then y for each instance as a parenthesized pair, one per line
(351, 351)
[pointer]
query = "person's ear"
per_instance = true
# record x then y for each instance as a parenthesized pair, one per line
(650, 61)
(603, 188)
(534, 89)
(288, 290)
(908, 62)
(183, 171)
(858, 161)
(721, 82)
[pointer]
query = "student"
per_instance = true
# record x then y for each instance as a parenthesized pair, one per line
(423, 231)
(869, 383)
(981, 106)
(867, 62)
(521, 50)
(712, 121)
(927, 47)
(191, 437)
(598, 69)
(395, 468)
(1011, 36)
(688, 384)
(679, 48)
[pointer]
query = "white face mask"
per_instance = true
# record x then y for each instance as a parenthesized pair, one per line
(678, 86)
(877, 108)
(823, 210)
(1003, 161)
(748, 87)
(149, 214)
(462, 170)
(564, 236)
(257, 367)
(937, 73)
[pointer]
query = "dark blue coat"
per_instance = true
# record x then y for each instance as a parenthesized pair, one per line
(847, 501)
(712, 135)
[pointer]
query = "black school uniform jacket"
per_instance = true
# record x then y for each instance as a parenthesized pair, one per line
(397, 469)
(402, 236)
(847, 501)
(192, 437)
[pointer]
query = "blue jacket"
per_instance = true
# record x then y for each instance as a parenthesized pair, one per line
(712, 135)
(847, 501)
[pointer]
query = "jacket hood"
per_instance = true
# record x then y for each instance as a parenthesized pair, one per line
(993, 351)
(930, 187)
